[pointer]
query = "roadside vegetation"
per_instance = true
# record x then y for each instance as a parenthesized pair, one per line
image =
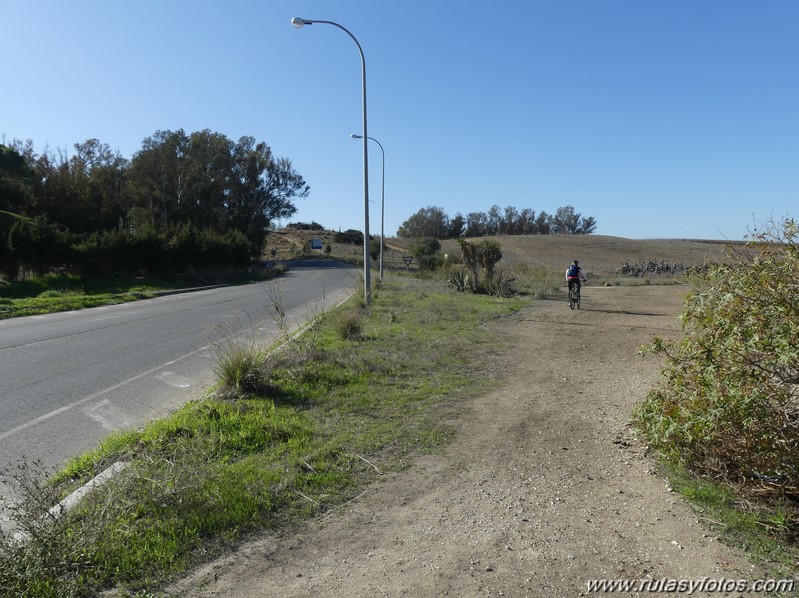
(63, 292)
(293, 430)
(182, 203)
(725, 418)
(290, 432)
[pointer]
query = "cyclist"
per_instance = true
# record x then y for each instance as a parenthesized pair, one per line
(574, 274)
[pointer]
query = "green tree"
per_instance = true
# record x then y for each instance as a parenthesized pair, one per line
(16, 181)
(543, 223)
(38, 245)
(206, 179)
(158, 177)
(565, 221)
(16, 194)
(493, 220)
(426, 251)
(587, 226)
(509, 224)
(525, 223)
(97, 187)
(476, 224)
(427, 222)
(457, 226)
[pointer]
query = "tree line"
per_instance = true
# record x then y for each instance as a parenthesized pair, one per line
(182, 201)
(434, 222)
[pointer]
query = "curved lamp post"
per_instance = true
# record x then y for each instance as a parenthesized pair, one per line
(367, 285)
(382, 198)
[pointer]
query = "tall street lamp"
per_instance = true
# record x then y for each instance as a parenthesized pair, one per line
(367, 285)
(382, 199)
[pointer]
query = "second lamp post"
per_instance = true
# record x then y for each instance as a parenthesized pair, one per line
(382, 198)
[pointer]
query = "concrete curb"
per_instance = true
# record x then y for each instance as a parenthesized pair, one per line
(189, 290)
(73, 499)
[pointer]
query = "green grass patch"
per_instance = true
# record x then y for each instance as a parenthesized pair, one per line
(317, 420)
(66, 292)
(58, 301)
(767, 530)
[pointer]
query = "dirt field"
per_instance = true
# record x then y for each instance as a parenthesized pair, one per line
(543, 489)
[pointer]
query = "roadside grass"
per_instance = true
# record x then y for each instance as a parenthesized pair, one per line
(57, 301)
(315, 420)
(768, 531)
(65, 292)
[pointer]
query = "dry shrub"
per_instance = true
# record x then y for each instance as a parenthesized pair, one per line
(729, 403)
(349, 324)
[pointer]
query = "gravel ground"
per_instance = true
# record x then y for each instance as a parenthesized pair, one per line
(543, 489)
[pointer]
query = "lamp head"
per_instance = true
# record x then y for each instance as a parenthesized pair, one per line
(354, 136)
(298, 22)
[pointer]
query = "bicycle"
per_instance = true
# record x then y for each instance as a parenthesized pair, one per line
(574, 296)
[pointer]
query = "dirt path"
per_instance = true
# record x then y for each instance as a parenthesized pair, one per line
(543, 489)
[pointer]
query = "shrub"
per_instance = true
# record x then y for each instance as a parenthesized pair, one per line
(38, 246)
(426, 252)
(41, 558)
(238, 362)
(498, 286)
(729, 402)
(484, 255)
(349, 324)
(176, 250)
(459, 281)
(349, 236)
(536, 282)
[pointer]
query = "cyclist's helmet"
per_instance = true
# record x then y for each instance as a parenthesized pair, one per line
(575, 262)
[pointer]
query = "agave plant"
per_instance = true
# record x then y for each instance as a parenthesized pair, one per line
(459, 281)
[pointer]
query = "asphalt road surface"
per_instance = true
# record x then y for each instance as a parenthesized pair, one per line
(69, 379)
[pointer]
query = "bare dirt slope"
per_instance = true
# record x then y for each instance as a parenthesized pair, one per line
(543, 489)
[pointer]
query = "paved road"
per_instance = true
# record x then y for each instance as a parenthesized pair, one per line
(69, 379)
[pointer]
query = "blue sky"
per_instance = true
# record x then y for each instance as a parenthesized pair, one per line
(661, 119)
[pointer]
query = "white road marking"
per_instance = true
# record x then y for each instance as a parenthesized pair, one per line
(91, 397)
(174, 380)
(109, 417)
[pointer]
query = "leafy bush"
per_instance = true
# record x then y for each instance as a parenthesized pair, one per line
(374, 249)
(426, 252)
(729, 402)
(38, 245)
(349, 236)
(178, 249)
(305, 226)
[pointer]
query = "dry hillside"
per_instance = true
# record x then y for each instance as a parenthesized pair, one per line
(600, 254)
(597, 253)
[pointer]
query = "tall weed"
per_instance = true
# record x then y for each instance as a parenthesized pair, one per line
(237, 359)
